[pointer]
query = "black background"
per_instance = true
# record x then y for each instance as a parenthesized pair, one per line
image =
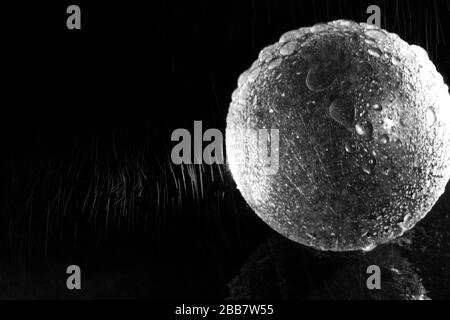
(82, 108)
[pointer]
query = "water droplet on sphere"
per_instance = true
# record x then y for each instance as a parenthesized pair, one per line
(321, 77)
(364, 68)
(253, 74)
(369, 166)
(350, 147)
(364, 129)
(370, 42)
(293, 34)
(375, 52)
(288, 48)
(395, 60)
(342, 111)
(266, 54)
(376, 107)
(384, 139)
(430, 116)
(320, 27)
(375, 34)
(274, 63)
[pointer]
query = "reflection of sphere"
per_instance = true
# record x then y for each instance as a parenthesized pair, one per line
(364, 124)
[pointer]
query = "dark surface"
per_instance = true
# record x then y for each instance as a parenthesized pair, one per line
(86, 173)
